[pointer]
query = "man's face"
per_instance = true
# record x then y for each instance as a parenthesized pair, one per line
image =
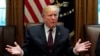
(51, 18)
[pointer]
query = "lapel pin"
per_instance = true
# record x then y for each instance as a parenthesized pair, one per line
(58, 33)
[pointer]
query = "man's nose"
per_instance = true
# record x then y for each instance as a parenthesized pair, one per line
(53, 17)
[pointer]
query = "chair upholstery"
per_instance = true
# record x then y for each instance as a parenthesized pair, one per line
(92, 34)
(7, 36)
(97, 49)
(34, 24)
(1, 41)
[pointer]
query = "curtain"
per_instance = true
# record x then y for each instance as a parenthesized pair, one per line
(14, 16)
(86, 13)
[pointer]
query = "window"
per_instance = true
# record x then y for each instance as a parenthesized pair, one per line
(2, 12)
(98, 11)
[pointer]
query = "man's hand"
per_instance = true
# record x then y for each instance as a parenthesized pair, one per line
(80, 47)
(14, 50)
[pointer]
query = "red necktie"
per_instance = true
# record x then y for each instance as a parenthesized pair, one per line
(50, 40)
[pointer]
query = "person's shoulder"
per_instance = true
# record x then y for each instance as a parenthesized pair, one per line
(62, 28)
(35, 28)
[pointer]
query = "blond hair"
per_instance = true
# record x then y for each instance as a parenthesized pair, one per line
(50, 7)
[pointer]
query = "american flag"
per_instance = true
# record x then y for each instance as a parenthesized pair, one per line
(33, 10)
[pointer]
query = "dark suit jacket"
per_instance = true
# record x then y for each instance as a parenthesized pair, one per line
(36, 45)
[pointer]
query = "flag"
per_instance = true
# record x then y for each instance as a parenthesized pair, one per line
(66, 15)
(33, 10)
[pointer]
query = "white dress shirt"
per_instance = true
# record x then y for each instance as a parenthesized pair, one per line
(47, 32)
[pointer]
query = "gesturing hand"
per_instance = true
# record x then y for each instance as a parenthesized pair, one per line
(14, 50)
(80, 47)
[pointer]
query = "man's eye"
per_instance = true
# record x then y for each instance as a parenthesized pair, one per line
(50, 15)
(55, 14)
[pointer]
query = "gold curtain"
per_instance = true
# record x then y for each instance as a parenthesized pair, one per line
(15, 17)
(86, 13)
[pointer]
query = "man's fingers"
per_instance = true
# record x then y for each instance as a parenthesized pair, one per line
(86, 49)
(9, 50)
(15, 43)
(79, 41)
(8, 46)
(87, 42)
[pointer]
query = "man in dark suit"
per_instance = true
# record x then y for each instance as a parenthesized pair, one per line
(37, 42)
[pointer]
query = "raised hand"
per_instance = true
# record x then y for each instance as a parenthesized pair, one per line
(80, 47)
(14, 50)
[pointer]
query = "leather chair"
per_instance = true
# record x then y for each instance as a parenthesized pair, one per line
(34, 24)
(1, 41)
(7, 36)
(91, 33)
(97, 49)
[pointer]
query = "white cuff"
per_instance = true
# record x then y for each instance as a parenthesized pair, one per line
(75, 51)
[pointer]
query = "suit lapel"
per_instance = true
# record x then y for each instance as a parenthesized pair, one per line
(43, 39)
(57, 37)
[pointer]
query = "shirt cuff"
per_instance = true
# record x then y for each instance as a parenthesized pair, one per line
(22, 53)
(75, 51)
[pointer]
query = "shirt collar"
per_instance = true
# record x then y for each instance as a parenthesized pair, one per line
(47, 28)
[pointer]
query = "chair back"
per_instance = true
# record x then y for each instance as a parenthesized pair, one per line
(92, 34)
(34, 24)
(7, 37)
